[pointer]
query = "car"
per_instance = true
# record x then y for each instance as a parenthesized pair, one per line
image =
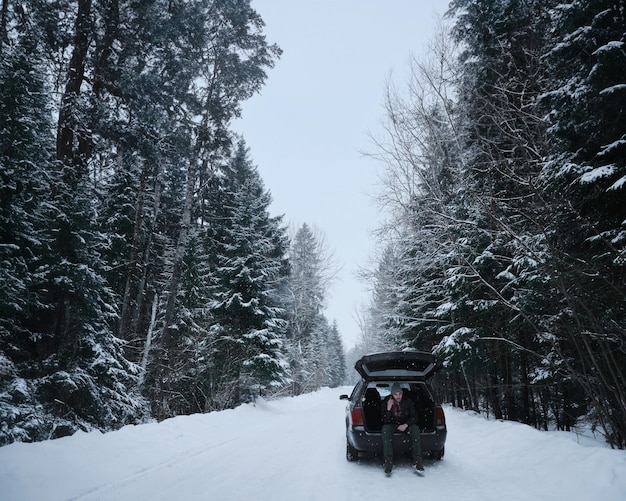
(413, 371)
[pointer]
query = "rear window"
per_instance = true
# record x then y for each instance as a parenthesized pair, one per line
(382, 366)
(418, 390)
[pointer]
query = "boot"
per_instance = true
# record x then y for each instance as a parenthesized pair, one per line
(388, 466)
(419, 465)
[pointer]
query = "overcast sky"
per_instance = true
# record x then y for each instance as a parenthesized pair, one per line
(310, 124)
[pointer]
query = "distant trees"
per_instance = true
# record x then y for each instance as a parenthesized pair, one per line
(141, 272)
(507, 230)
(315, 350)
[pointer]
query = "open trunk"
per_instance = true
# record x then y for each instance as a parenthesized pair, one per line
(417, 392)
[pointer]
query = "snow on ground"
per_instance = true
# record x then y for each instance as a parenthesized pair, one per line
(294, 449)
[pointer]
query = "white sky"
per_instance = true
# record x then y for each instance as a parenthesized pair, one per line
(308, 128)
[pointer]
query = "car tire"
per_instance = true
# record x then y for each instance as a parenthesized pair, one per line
(438, 455)
(351, 453)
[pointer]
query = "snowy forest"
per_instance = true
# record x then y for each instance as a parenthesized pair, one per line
(141, 273)
(504, 245)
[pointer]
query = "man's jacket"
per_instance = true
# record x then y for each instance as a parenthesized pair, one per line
(406, 414)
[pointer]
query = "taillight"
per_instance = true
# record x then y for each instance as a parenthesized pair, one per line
(357, 416)
(440, 417)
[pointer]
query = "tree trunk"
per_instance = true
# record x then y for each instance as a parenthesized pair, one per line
(3, 24)
(148, 344)
(75, 76)
(179, 254)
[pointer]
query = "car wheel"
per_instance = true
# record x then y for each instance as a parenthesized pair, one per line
(438, 455)
(351, 453)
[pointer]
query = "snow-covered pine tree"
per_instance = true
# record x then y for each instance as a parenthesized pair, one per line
(231, 56)
(72, 372)
(584, 179)
(227, 54)
(247, 335)
(502, 142)
(422, 241)
(26, 151)
(379, 326)
(336, 360)
(311, 272)
(323, 360)
(519, 261)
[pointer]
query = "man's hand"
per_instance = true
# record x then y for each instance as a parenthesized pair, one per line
(389, 404)
(403, 427)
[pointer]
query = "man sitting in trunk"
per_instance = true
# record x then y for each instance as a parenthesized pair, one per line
(399, 414)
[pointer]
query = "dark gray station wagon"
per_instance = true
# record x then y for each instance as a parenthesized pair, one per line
(413, 370)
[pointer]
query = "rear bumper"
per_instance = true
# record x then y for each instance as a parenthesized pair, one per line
(372, 442)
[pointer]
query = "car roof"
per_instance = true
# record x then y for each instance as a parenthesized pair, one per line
(398, 366)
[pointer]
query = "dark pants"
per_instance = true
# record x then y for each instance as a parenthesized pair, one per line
(416, 441)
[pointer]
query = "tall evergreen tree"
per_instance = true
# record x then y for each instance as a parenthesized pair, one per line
(72, 370)
(306, 296)
(249, 266)
(232, 56)
(584, 179)
(336, 361)
(381, 329)
(26, 153)
(503, 145)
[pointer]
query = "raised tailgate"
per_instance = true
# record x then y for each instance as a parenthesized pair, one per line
(398, 366)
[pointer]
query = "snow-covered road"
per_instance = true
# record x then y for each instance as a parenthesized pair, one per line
(294, 449)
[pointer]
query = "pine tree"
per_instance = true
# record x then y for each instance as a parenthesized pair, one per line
(231, 57)
(311, 272)
(70, 369)
(502, 148)
(336, 360)
(249, 266)
(26, 151)
(584, 181)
